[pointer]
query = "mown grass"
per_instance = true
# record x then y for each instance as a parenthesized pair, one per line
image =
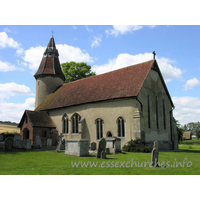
(48, 162)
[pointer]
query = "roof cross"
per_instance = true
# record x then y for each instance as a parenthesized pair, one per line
(154, 55)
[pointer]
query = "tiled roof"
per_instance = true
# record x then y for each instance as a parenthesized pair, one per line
(122, 83)
(50, 64)
(38, 119)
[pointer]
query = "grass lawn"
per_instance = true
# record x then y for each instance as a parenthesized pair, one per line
(48, 162)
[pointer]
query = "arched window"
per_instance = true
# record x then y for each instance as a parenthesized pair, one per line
(149, 112)
(65, 126)
(157, 120)
(121, 127)
(99, 128)
(75, 120)
(164, 116)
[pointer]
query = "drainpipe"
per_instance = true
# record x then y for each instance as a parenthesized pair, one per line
(140, 103)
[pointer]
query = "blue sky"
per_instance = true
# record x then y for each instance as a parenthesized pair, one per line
(105, 48)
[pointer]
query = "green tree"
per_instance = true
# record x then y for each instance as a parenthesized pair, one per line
(180, 130)
(74, 71)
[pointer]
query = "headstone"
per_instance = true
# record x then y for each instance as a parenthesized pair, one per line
(16, 137)
(28, 144)
(1, 137)
(114, 144)
(93, 146)
(38, 141)
(61, 144)
(107, 150)
(154, 156)
(101, 152)
(20, 144)
(49, 142)
(8, 144)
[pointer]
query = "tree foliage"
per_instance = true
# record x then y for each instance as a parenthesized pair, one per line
(74, 71)
(194, 127)
(180, 130)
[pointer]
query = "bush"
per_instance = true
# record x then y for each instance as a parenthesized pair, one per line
(137, 145)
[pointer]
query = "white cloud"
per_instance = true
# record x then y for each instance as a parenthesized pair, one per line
(123, 60)
(187, 109)
(14, 111)
(6, 41)
(191, 83)
(6, 66)
(69, 53)
(122, 29)
(96, 42)
(7, 30)
(169, 72)
(33, 56)
(13, 89)
(87, 28)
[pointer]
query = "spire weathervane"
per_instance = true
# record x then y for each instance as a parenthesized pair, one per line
(154, 55)
(52, 32)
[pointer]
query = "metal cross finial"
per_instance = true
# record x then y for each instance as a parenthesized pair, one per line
(52, 32)
(154, 55)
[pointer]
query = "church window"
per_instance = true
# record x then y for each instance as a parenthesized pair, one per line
(164, 116)
(148, 110)
(157, 120)
(75, 120)
(121, 127)
(65, 125)
(99, 127)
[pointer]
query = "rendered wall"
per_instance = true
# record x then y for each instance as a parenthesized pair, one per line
(45, 86)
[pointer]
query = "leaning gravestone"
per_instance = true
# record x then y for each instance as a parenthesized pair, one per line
(38, 141)
(8, 144)
(154, 156)
(28, 144)
(93, 146)
(16, 137)
(49, 142)
(101, 152)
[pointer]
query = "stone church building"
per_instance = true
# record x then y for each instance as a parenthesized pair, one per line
(128, 103)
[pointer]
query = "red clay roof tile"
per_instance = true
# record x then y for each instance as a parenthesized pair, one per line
(125, 82)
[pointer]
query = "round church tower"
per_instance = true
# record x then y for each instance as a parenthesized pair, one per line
(49, 76)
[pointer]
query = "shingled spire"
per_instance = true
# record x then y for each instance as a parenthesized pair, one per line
(50, 64)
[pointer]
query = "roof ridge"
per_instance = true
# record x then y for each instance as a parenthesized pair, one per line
(110, 71)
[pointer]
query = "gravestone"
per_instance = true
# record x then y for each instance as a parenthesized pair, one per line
(38, 142)
(1, 137)
(16, 137)
(93, 146)
(20, 144)
(28, 144)
(154, 156)
(101, 152)
(61, 144)
(49, 142)
(8, 144)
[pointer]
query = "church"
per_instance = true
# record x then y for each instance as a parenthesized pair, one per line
(128, 103)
